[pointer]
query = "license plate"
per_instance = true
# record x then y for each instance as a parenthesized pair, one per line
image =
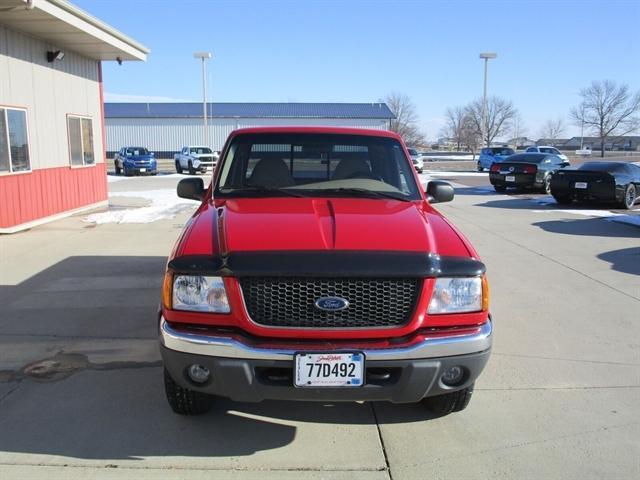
(581, 185)
(329, 369)
(143, 169)
(510, 178)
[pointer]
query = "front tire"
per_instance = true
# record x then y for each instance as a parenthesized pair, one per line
(118, 169)
(480, 169)
(184, 401)
(192, 171)
(449, 402)
(629, 197)
(178, 167)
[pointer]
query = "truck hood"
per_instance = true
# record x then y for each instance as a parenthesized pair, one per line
(317, 224)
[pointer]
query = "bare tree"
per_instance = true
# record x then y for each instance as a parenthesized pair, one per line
(500, 113)
(552, 130)
(469, 135)
(455, 118)
(518, 128)
(406, 122)
(608, 110)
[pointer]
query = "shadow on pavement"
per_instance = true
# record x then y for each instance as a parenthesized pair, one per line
(626, 260)
(593, 227)
(102, 409)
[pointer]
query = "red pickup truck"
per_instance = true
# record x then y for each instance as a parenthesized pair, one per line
(316, 269)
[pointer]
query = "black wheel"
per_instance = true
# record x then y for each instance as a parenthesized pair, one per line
(118, 169)
(500, 188)
(420, 171)
(449, 402)
(629, 197)
(178, 167)
(480, 169)
(546, 184)
(192, 171)
(183, 400)
(562, 199)
(127, 173)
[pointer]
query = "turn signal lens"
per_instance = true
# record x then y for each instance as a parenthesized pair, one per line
(495, 168)
(167, 285)
(485, 294)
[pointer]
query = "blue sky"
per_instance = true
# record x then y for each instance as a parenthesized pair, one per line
(358, 51)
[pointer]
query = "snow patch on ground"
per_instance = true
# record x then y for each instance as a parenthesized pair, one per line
(436, 173)
(113, 179)
(165, 204)
(448, 157)
(628, 219)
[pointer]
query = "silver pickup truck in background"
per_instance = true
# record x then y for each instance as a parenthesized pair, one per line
(195, 159)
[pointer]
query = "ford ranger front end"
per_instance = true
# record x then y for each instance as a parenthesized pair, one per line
(316, 269)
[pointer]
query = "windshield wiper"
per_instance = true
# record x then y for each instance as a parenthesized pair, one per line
(264, 190)
(363, 192)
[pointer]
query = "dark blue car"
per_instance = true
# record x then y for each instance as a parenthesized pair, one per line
(135, 160)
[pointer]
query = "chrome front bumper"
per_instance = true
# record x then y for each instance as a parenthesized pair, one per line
(225, 347)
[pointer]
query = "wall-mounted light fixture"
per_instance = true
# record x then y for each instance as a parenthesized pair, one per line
(53, 56)
(119, 60)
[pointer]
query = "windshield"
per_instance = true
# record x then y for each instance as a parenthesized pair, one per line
(602, 166)
(137, 151)
(316, 165)
(502, 151)
(200, 150)
(528, 158)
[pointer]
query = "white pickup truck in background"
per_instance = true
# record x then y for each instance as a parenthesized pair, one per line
(195, 159)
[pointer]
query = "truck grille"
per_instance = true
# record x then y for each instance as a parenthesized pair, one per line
(290, 302)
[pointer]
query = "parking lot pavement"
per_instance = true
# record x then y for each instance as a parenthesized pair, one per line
(80, 376)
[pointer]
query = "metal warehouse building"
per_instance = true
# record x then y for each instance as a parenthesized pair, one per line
(165, 127)
(52, 160)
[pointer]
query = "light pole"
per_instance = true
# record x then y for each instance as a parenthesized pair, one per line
(204, 56)
(486, 56)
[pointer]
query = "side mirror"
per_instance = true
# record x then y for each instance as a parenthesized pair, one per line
(191, 188)
(439, 191)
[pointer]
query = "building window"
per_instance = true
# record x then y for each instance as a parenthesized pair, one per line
(80, 141)
(14, 142)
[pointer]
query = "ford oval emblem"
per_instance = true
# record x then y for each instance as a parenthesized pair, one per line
(511, 169)
(332, 304)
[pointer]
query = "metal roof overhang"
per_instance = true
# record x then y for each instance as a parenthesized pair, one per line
(70, 28)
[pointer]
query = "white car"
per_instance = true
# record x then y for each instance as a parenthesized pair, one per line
(195, 159)
(416, 159)
(547, 149)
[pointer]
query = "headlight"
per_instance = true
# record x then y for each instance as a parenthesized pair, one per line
(200, 294)
(457, 295)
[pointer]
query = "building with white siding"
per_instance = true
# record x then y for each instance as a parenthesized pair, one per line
(164, 128)
(52, 150)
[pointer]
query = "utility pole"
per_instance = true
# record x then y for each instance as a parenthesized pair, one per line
(204, 56)
(486, 57)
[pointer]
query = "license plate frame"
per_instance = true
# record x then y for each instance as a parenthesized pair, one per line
(581, 185)
(328, 362)
(510, 178)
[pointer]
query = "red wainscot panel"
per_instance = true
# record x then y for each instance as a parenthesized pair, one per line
(28, 197)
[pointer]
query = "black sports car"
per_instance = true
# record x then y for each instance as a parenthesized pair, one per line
(611, 182)
(525, 170)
